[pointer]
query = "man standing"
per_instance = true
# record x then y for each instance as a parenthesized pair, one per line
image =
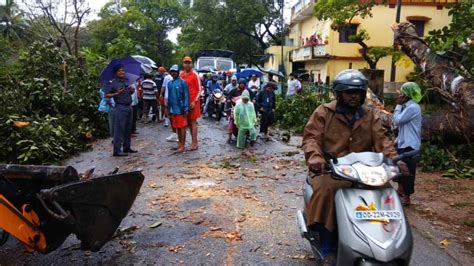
(293, 86)
(266, 101)
(407, 117)
(194, 85)
(150, 93)
(158, 79)
(121, 91)
(164, 97)
(178, 105)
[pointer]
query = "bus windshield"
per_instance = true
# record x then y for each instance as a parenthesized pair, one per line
(223, 64)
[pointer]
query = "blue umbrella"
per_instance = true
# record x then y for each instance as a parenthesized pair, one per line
(248, 72)
(132, 67)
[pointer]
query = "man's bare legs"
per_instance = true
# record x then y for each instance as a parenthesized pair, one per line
(181, 139)
(194, 135)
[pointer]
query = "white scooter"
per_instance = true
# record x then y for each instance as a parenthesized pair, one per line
(372, 228)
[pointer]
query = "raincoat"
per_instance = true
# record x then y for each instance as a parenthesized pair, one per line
(245, 119)
(178, 97)
(328, 131)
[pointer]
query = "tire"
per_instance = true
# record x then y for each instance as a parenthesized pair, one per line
(3, 237)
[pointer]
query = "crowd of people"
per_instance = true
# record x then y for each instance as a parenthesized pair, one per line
(174, 98)
(337, 128)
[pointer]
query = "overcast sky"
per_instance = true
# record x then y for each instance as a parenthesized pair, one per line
(96, 5)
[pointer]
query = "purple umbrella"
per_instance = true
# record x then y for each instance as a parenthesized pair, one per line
(132, 69)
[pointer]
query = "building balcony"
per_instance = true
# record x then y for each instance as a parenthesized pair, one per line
(437, 3)
(309, 53)
(302, 10)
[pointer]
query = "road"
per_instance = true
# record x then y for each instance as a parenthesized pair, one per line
(215, 207)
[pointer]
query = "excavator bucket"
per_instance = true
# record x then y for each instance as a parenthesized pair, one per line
(91, 209)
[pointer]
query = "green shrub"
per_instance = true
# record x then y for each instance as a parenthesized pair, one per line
(293, 113)
(456, 161)
(62, 119)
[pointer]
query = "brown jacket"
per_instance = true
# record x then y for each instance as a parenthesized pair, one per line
(329, 131)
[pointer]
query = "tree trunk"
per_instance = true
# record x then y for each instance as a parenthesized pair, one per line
(442, 74)
(363, 52)
(376, 80)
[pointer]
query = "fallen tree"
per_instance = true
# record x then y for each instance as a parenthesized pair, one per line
(447, 77)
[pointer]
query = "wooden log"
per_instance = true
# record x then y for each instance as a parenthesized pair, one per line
(54, 174)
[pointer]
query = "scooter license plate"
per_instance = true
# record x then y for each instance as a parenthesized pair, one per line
(378, 215)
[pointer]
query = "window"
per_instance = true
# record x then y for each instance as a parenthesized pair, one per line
(224, 64)
(419, 27)
(205, 63)
(346, 32)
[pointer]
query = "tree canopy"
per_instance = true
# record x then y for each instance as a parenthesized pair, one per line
(136, 27)
(243, 26)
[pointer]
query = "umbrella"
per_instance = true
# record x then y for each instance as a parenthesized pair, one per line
(274, 72)
(133, 70)
(248, 72)
(147, 63)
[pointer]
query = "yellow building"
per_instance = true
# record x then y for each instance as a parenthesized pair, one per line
(314, 47)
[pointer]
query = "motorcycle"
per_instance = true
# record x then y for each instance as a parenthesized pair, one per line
(216, 105)
(202, 99)
(372, 228)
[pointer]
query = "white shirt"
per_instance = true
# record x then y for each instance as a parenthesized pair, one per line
(293, 85)
(255, 83)
(167, 79)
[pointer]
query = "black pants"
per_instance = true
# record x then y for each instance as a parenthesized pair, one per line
(147, 104)
(408, 182)
(266, 121)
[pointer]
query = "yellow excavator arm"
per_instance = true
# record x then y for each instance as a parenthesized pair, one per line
(23, 225)
(42, 205)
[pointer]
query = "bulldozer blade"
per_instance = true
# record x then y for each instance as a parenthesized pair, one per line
(95, 207)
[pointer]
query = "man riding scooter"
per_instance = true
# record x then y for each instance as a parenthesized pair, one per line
(338, 128)
(212, 85)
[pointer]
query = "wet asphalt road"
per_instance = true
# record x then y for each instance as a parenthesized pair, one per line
(216, 207)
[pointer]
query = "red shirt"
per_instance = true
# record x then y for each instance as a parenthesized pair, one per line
(194, 84)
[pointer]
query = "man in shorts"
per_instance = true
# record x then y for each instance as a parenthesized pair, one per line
(194, 85)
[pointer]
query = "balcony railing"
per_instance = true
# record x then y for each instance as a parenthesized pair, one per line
(439, 3)
(309, 53)
(302, 8)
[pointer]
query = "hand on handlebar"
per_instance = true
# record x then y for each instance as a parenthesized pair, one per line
(318, 168)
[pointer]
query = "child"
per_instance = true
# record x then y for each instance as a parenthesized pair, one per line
(245, 119)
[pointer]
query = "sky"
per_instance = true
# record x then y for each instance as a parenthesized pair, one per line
(96, 5)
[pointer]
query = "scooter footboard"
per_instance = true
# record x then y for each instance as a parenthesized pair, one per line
(372, 224)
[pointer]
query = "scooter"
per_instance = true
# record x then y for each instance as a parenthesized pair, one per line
(216, 105)
(372, 228)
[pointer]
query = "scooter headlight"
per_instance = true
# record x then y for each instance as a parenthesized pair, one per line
(372, 176)
(218, 95)
(346, 170)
